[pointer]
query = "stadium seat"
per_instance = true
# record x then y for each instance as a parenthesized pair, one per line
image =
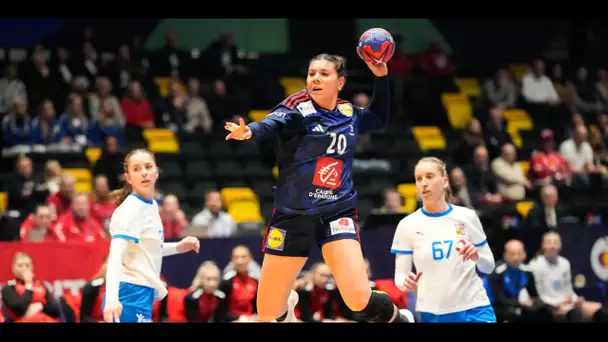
(519, 118)
(468, 86)
(257, 115)
(408, 192)
(161, 140)
(458, 108)
(519, 70)
(524, 207)
(245, 211)
(83, 187)
(525, 166)
(158, 133)
(3, 201)
(429, 137)
(230, 195)
(275, 172)
(163, 85)
(293, 84)
(81, 175)
(514, 132)
(163, 146)
(93, 154)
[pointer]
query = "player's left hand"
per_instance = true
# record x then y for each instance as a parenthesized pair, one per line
(378, 68)
(188, 244)
(467, 250)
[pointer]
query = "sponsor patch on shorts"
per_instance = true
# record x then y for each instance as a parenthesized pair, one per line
(343, 226)
(276, 239)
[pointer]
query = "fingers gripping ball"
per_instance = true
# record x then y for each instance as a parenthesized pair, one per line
(376, 45)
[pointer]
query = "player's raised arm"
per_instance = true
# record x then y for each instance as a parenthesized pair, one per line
(378, 112)
(267, 128)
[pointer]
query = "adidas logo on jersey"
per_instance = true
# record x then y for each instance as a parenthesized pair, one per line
(318, 128)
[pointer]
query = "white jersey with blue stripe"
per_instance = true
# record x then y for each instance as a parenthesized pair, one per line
(447, 284)
(138, 220)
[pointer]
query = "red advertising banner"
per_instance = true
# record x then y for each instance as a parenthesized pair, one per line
(64, 265)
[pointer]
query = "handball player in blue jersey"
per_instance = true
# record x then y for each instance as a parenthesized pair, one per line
(315, 200)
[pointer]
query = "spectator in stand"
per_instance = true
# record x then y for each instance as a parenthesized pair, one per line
(500, 90)
(171, 110)
(601, 87)
(400, 66)
(88, 63)
(101, 206)
(52, 175)
(106, 125)
(110, 162)
(25, 299)
(319, 298)
(510, 178)
(92, 297)
(600, 154)
(73, 125)
(587, 97)
(171, 59)
(61, 201)
(80, 86)
(212, 221)
(38, 80)
(472, 137)
(537, 88)
(137, 111)
(77, 224)
(563, 87)
(11, 88)
(435, 61)
(481, 177)
(44, 128)
(198, 117)
(104, 93)
(222, 61)
(393, 202)
(543, 217)
(547, 166)
(23, 192)
(496, 134)
(62, 74)
(464, 194)
(577, 152)
(16, 126)
(173, 218)
(121, 71)
(553, 276)
(240, 288)
(513, 288)
(40, 230)
(220, 105)
(205, 303)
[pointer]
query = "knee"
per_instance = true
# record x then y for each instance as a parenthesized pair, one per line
(357, 299)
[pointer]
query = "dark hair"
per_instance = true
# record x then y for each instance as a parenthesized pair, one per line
(119, 196)
(338, 61)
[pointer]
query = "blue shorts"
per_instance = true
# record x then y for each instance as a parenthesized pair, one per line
(481, 314)
(137, 302)
(295, 235)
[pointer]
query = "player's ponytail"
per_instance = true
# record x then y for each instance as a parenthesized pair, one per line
(120, 195)
(448, 194)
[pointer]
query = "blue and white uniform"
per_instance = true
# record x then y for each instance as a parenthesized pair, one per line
(135, 260)
(449, 289)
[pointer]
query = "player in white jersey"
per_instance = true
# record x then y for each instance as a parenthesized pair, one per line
(137, 248)
(446, 243)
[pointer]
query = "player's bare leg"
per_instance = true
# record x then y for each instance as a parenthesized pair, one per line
(275, 300)
(345, 259)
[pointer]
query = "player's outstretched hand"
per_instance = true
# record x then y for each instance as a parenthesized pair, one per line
(111, 312)
(467, 250)
(378, 68)
(238, 132)
(411, 282)
(188, 244)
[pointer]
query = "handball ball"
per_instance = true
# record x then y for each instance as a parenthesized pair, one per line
(376, 45)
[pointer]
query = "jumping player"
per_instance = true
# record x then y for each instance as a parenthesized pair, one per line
(315, 201)
(446, 244)
(137, 248)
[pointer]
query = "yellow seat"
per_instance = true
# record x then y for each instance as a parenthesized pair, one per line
(429, 137)
(245, 211)
(519, 118)
(468, 86)
(524, 207)
(275, 172)
(525, 166)
(230, 195)
(257, 115)
(407, 190)
(514, 132)
(84, 187)
(458, 108)
(158, 134)
(93, 154)
(293, 84)
(81, 175)
(519, 70)
(163, 146)
(163, 85)
(3, 200)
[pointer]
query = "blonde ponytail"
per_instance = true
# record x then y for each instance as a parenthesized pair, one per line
(120, 195)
